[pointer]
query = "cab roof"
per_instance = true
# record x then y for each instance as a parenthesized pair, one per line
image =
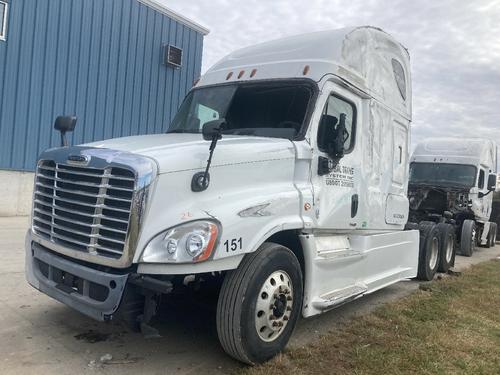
(473, 151)
(365, 57)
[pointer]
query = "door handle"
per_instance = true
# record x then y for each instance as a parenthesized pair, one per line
(354, 205)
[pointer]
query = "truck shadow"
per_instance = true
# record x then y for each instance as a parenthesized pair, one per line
(187, 326)
(188, 338)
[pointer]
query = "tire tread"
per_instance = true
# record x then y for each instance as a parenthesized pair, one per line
(228, 326)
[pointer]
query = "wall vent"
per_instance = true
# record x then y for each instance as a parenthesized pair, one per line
(172, 56)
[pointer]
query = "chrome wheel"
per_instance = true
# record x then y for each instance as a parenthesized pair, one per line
(473, 239)
(433, 259)
(274, 306)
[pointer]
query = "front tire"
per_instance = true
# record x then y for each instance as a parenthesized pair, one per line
(468, 238)
(259, 304)
(492, 236)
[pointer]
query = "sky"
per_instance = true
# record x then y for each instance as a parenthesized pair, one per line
(454, 47)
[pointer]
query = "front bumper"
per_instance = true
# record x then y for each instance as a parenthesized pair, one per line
(94, 293)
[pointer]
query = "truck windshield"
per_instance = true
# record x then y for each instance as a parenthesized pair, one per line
(442, 174)
(266, 109)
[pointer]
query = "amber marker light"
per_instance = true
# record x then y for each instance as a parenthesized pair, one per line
(241, 74)
(229, 75)
(214, 231)
(306, 70)
(254, 71)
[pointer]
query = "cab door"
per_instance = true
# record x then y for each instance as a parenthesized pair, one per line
(483, 206)
(337, 194)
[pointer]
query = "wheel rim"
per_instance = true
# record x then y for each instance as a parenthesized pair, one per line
(473, 239)
(449, 249)
(433, 259)
(274, 306)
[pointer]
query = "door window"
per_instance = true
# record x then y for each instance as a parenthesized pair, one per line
(335, 106)
(480, 181)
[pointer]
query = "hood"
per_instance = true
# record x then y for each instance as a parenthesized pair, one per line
(181, 152)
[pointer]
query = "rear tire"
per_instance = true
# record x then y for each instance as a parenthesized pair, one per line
(468, 238)
(429, 251)
(259, 304)
(492, 236)
(446, 247)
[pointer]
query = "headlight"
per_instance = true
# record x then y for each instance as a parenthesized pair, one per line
(186, 243)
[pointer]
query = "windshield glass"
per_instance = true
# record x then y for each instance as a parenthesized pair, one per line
(267, 109)
(441, 174)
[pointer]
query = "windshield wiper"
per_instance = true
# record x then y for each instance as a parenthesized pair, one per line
(422, 183)
(182, 131)
(436, 185)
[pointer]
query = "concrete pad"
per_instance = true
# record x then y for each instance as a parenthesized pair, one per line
(42, 336)
(16, 192)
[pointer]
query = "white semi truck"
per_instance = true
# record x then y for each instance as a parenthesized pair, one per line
(451, 184)
(300, 207)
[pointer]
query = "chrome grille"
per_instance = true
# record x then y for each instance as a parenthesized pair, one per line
(83, 208)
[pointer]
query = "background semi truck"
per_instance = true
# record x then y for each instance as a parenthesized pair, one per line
(495, 209)
(282, 181)
(451, 185)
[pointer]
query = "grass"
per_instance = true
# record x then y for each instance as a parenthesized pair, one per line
(450, 326)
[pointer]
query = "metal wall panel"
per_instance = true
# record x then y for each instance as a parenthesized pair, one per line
(100, 60)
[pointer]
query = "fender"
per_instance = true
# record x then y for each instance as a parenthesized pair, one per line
(259, 201)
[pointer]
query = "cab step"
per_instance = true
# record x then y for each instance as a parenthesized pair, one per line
(339, 297)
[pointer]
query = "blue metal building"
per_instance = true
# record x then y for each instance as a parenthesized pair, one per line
(104, 61)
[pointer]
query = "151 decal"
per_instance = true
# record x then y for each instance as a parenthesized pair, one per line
(233, 244)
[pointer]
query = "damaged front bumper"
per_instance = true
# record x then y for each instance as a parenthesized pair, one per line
(94, 293)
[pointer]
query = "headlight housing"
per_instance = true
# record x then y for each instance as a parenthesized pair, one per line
(187, 243)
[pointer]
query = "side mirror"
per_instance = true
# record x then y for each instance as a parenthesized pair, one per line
(340, 138)
(331, 134)
(65, 124)
(213, 129)
(492, 182)
(211, 132)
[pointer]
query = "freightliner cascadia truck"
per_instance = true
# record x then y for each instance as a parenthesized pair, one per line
(283, 177)
(451, 184)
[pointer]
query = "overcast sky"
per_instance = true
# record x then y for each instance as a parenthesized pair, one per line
(454, 47)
